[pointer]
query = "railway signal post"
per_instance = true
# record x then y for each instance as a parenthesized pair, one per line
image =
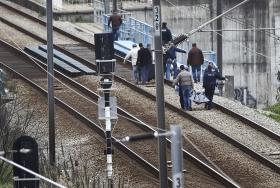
(107, 108)
(107, 111)
(106, 84)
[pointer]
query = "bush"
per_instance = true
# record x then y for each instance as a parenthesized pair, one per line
(14, 121)
(275, 112)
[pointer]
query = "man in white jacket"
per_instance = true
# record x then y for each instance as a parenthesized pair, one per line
(133, 53)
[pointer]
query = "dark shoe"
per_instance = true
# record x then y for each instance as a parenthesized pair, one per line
(207, 107)
(195, 81)
(190, 109)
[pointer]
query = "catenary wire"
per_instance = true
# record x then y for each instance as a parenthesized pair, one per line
(65, 85)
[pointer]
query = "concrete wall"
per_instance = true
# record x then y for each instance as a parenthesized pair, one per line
(257, 71)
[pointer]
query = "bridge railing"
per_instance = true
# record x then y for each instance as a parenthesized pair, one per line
(131, 29)
(137, 31)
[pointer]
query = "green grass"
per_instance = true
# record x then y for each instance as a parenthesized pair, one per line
(275, 109)
(6, 185)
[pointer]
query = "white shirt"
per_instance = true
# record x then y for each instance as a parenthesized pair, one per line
(133, 53)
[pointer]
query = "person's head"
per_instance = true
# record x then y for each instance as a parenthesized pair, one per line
(164, 24)
(140, 45)
(115, 12)
(134, 45)
(171, 44)
(193, 44)
(210, 66)
(182, 67)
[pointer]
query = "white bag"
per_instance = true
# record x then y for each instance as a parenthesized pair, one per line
(199, 97)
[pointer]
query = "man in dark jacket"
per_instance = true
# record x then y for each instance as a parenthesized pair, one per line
(195, 59)
(165, 34)
(171, 59)
(116, 21)
(144, 61)
(209, 83)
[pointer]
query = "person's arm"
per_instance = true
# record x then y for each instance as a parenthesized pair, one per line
(169, 35)
(138, 57)
(189, 59)
(128, 55)
(219, 76)
(109, 21)
(180, 50)
(176, 81)
(121, 21)
(204, 79)
(202, 57)
(192, 82)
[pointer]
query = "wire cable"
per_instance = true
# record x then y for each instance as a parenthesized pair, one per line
(65, 85)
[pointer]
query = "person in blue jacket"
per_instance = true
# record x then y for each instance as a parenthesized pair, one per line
(171, 59)
(209, 83)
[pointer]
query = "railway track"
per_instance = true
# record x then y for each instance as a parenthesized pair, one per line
(262, 158)
(29, 70)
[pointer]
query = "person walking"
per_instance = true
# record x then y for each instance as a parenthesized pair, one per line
(151, 74)
(165, 34)
(144, 59)
(195, 60)
(133, 53)
(209, 83)
(116, 20)
(171, 60)
(185, 81)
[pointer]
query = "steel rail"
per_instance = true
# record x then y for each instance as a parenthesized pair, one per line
(148, 166)
(243, 119)
(204, 167)
(216, 132)
(42, 22)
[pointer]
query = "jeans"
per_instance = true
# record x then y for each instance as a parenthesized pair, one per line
(181, 97)
(169, 61)
(135, 73)
(116, 33)
(187, 94)
(196, 70)
(168, 67)
(144, 73)
(175, 68)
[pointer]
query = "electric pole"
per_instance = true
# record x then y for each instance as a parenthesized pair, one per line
(50, 82)
(219, 36)
(160, 92)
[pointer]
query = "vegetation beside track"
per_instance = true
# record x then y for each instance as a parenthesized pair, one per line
(274, 112)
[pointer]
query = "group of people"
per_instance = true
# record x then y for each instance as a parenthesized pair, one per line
(185, 82)
(195, 56)
(141, 60)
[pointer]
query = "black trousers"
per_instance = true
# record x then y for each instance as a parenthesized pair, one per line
(209, 92)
